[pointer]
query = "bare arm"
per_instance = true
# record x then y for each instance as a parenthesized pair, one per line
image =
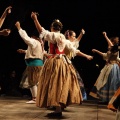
(71, 48)
(108, 40)
(7, 11)
(37, 24)
(97, 51)
(81, 35)
(21, 51)
(89, 57)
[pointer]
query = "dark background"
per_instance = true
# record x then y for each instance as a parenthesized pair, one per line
(92, 15)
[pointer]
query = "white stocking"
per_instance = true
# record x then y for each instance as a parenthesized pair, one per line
(34, 91)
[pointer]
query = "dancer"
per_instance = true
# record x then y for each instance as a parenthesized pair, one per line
(33, 59)
(109, 78)
(24, 80)
(58, 85)
(5, 32)
(71, 35)
(113, 42)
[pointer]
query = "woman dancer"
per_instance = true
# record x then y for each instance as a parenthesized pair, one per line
(71, 35)
(109, 78)
(58, 85)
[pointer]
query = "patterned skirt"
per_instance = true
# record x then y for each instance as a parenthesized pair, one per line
(109, 87)
(58, 84)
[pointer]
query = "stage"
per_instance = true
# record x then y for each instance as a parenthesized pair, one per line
(15, 108)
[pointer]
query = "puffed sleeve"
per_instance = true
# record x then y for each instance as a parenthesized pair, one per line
(53, 37)
(70, 47)
(76, 43)
(28, 40)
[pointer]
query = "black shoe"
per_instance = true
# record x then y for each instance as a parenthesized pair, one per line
(54, 114)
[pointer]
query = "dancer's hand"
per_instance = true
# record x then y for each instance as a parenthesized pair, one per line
(17, 24)
(104, 33)
(8, 10)
(83, 31)
(21, 51)
(94, 50)
(89, 57)
(5, 32)
(34, 15)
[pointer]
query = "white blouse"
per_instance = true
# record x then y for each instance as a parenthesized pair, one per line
(59, 38)
(75, 43)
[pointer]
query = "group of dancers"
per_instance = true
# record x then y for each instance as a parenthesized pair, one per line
(54, 81)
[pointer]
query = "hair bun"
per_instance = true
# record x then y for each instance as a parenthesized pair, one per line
(57, 25)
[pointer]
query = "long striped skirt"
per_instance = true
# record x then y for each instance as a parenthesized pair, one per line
(112, 83)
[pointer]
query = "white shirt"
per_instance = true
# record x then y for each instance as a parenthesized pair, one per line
(34, 49)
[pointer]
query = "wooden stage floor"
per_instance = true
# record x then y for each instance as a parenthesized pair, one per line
(15, 108)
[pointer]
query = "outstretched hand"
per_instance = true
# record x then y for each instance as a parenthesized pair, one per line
(93, 50)
(21, 51)
(89, 57)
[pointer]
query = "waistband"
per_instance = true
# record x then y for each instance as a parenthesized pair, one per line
(34, 62)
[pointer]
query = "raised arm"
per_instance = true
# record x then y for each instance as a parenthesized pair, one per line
(82, 32)
(108, 40)
(37, 24)
(5, 13)
(23, 34)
